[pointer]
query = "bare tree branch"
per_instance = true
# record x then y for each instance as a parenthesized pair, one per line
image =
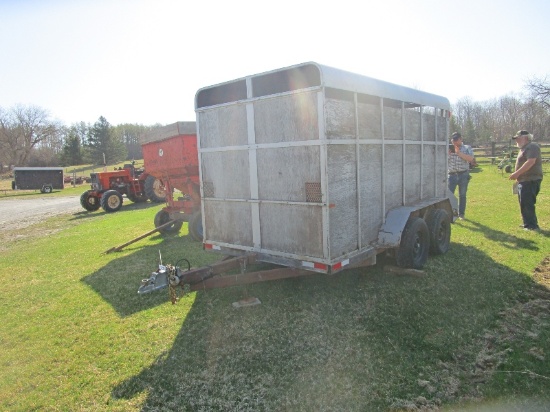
(21, 129)
(540, 89)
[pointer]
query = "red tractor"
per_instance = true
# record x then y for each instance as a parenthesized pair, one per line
(107, 189)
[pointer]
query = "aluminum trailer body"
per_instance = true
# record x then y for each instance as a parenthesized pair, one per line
(316, 168)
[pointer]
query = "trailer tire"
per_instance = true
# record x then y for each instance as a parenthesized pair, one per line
(46, 189)
(195, 227)
(111, 201)
(162, 217)
(154, 189)
(415, 244)
(439, 226)
(88, 201)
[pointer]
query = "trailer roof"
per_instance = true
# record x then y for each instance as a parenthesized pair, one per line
(312, 74)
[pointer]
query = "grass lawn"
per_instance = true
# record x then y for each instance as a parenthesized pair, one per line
(473, 331)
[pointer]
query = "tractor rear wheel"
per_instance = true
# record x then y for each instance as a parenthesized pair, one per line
(111, 201)
(415, 243)
(154, 189)
(142, 197)
(89, 201)
(162, 217)
(195, 227)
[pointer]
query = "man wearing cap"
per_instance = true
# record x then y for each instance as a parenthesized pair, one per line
(528, 174)
(460, 157)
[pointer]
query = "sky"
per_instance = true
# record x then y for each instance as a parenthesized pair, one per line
(142, 61)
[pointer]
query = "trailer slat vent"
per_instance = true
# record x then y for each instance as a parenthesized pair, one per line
(208, 189)
(313, 192)
(224, 93)
(286, 80)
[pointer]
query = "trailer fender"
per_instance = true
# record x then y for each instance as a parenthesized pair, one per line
(389, 235)
(392, 229)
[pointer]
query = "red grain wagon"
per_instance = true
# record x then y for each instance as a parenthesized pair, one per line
(170, 155)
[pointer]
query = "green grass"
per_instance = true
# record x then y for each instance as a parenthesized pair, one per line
(473, 330)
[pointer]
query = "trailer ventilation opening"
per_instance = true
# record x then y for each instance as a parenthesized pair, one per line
(313, 192)
(224, 93)
(282, 81)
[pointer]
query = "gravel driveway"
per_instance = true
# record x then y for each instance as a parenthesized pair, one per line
(19, 213)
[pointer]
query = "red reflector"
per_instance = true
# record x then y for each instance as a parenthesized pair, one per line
(337, 266)
(207, 246)
(320, 266)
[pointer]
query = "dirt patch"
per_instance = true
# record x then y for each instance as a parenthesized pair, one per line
(541, 274)
(462, 380)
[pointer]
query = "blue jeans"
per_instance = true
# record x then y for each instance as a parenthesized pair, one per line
(461, 180)
(527, 195)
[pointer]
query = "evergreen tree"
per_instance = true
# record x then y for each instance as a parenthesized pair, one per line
(72, 149)
(104, 145)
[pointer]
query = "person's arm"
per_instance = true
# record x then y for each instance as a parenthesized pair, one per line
(464, 156)
(529, 163)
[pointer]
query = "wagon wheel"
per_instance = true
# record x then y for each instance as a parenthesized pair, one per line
(111, 201)
(414, 246)
(439, 226)
(162, 217)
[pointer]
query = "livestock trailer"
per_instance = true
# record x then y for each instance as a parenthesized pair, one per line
(316, 168)
(44, 179)
(170, 155)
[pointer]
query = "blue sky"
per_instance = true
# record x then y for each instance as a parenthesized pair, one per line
(142, 61)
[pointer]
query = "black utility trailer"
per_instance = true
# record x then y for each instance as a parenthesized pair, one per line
(44, 179)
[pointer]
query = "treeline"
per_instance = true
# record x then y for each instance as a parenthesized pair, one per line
(29, 137)
(499, 119)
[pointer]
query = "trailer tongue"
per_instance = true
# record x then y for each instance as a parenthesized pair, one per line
(211, 276)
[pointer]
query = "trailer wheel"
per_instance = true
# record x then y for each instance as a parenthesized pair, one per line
(415, 243)
(46, 189)
(88, 201)
(195, 227)
(111, 201)
(439, 226)
(162, 217)
(154, 189)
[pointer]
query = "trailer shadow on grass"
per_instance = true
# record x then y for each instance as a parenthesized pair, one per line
(359, 340)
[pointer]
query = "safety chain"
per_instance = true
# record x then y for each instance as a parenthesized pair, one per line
(173, 283)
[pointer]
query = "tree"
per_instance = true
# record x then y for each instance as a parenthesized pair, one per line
(72, 149)
(104, 145)
(21, 129)
(131, 135)
(540, 90)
